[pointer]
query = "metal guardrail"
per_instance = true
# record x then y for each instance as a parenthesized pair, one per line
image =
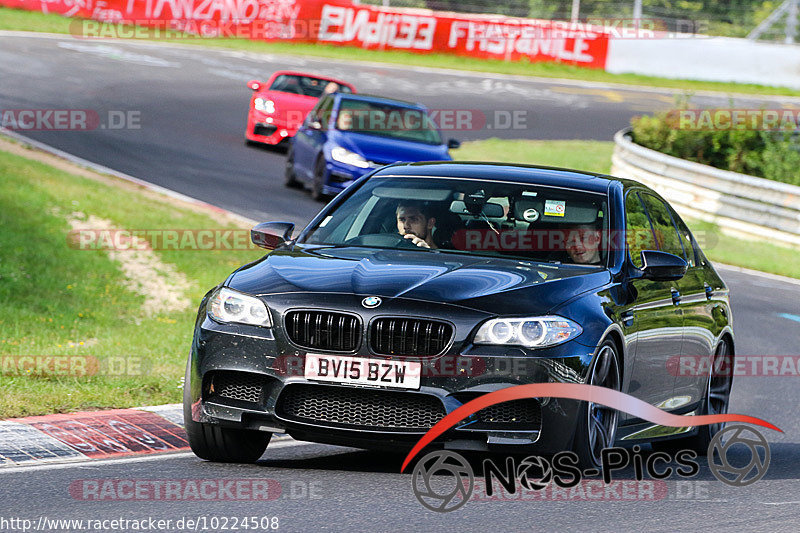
(747, 206)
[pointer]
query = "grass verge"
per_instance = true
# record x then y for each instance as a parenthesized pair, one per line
(61, 301)
(595, 156)
(22, 20)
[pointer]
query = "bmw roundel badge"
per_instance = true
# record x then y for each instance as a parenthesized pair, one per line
(371, 301)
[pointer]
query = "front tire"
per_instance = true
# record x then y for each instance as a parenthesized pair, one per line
(290, 178)
(319, 181)
(220, 444)
(597, 424)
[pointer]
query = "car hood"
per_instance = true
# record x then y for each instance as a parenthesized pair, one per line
(385, 150)
(289, 107)
(482, 283)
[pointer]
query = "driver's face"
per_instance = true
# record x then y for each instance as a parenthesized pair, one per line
(411, 221)
(583, 245)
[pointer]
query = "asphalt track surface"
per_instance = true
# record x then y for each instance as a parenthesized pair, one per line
(192, 104)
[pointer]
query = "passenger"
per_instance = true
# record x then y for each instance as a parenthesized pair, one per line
(583, 244)
(415, 223)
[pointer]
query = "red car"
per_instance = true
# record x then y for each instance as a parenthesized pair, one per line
(278, 107)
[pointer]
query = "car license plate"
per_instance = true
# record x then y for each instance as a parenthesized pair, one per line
(360, 371)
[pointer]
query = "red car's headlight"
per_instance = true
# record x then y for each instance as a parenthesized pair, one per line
(264, 105)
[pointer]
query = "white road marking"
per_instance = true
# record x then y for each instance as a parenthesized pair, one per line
(118, 54)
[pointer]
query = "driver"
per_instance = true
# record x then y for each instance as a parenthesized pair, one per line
(415, 223)
(344, 121)
(583, 244)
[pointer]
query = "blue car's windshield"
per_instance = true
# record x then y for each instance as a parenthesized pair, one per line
(386, 120)
(512, 220)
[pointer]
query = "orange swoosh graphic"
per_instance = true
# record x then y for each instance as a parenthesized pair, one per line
(576, 391)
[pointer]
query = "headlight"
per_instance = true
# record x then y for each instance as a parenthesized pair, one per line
(532, 332)
(343, 155)
(229, 306)
(265, 105)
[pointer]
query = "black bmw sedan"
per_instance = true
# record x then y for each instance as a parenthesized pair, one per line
(423, 286)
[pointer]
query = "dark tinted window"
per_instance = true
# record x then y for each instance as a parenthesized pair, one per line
(304, 85)
(666, 233)
(638, 232)
(686, 238)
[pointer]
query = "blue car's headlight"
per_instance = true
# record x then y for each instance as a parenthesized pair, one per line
(229, 306)
(532, 332)
(343, 155)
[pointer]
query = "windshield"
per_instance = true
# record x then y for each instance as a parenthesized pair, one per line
(306, 85)
(511, 220)
(386, 120)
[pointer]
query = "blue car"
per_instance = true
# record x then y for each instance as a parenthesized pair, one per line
(346, 136)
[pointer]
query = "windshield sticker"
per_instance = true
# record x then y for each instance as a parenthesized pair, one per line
(554, 208)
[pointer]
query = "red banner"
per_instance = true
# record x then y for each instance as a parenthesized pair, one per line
(341, 22)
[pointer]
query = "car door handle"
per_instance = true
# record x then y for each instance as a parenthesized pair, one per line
(676, 296)
(627, 318)
(709, 290)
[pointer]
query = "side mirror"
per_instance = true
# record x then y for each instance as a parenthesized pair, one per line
(452, 144)
(254, 84)
(662, 266)
(270, 235)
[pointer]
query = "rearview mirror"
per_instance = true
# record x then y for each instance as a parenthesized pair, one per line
(489, 209)
(254, 84)
(270, 235)
(452, 144)
(662, 266)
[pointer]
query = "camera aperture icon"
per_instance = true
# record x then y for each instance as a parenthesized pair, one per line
(443, 493)
(720, 464)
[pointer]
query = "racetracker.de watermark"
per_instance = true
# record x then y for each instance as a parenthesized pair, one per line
(244, 489)
(735, 366)
(160, 239)
(42, 119)
(398, 27)
(728, 119)
(73, 365)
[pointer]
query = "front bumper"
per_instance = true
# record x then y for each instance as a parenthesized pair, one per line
(340, 176)
(265, 130)
(265, 372)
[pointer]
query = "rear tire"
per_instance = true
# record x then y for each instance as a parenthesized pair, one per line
(290, 178)
(597, 424)
(219, 444)
(319, 178)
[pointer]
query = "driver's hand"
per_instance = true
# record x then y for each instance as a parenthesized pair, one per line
(416, 240)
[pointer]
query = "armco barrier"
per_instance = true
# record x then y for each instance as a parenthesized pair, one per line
(752, 207)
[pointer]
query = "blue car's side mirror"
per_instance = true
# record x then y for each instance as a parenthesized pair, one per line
(452, 144)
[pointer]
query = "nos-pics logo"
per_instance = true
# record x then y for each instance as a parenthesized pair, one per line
(443, 480)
